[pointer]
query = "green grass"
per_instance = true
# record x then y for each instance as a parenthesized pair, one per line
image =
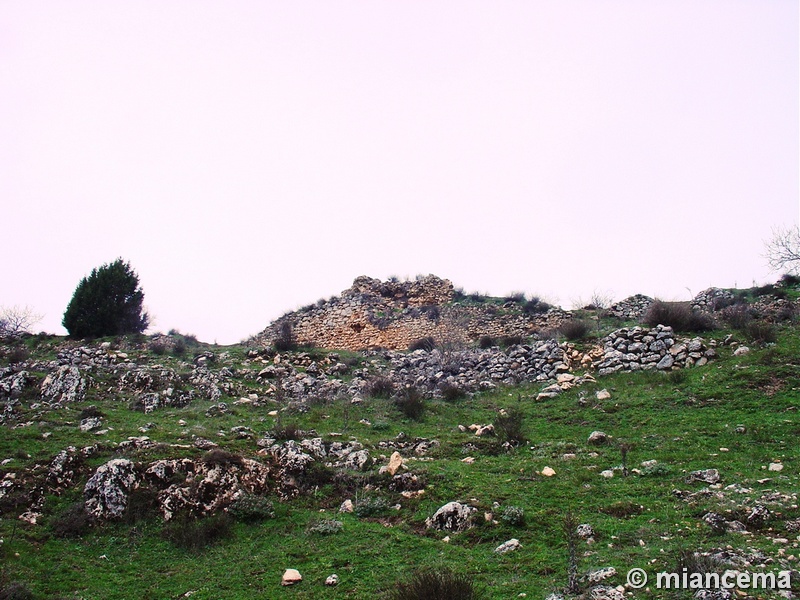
(680, 421)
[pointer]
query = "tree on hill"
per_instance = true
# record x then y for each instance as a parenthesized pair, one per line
(783, 249)
(108, 302)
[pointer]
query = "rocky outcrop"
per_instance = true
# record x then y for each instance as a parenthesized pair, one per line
(207, 486)
(294, 458)
(13, 382)
(106, 492)
(66, 384)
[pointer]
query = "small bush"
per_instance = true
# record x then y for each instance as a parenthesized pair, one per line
(370, 507)
(179, 348)
(516, 297)
(438, 584)
(432, 311)
(89, 412)
(513, 515)
(251, 509)
(316, 475)
(574, 329)
(380, 387)
(411, 403)
(157, 346)
(142, 504)
(18, 354)
(789, 281)
(285, 340)
(656, 470)
(72, 522)
(737, 316)
(511, 340)
(222, 458)
(426, 343)
(679, 316)
(535, 306)
(290, 431)
(485, 342)
(677, 377)
(477, 298)
(763, 290)
(451, 392)
(508, 427)
(197, 534)
(761, 333)
(16, 591)
(326, 527)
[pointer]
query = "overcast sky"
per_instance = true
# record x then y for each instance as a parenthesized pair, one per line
(248, 158)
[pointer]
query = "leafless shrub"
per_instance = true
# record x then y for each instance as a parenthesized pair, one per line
(17, 320)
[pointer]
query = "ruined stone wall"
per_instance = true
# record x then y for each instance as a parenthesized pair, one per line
(393, 315)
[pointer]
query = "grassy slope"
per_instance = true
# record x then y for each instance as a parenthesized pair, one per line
(681, 420)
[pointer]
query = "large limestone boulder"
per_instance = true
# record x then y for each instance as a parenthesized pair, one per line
(64, 385)
(107, 490)
(453, 516)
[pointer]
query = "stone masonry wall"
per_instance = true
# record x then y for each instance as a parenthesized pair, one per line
(393, 315)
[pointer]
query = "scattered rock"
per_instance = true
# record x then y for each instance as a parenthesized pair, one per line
(597, 438)
(395, 462)
(453, 516)
(595, 577)
(603, 394)
(291, 577)
(332, 580)
(709, 476)
(548, 472)
(509, 546)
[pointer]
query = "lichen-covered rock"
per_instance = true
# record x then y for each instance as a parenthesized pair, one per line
(63, 469)
(453, 516)
(107, 491)
(709, 476)
(12, 383)
(66, 384)
(202, 488)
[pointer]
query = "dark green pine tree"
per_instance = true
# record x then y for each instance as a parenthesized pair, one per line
(108, 302)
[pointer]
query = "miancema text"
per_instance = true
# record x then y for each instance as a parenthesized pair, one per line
(727, 580)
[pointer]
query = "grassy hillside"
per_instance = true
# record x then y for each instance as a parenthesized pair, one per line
(737, 414)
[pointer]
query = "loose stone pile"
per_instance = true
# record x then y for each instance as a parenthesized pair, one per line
(632, 308)
(638, 348)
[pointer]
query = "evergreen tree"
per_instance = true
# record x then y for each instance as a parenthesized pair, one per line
(108, 302)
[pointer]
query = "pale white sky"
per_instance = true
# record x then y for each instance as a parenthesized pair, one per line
(248, 158)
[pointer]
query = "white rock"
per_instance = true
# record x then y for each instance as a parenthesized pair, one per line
(291, 576)
(741, 350)
(548, 472)
(509, 546)
(603, 394)
(608, 473)
(332, 580)
(777, 467)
